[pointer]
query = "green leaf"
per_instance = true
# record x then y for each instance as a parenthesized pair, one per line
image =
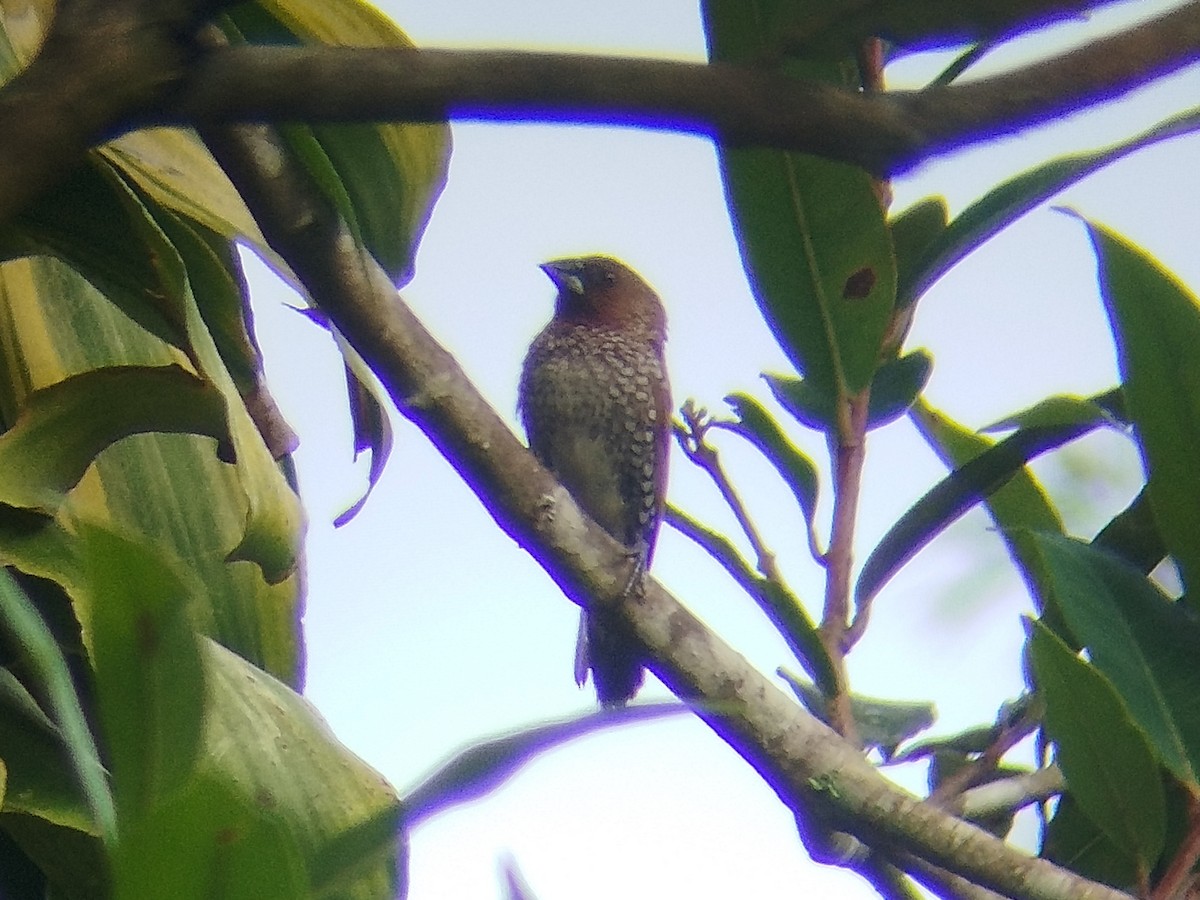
(30, 788)
(1063, 410)
(371, 423)
(895, 387)
(881, 724)
(1144, 642)
(1156, 326)
(759, 427)
(1074, 841)
(779, 603)
(1133, 535)
(812, 233)
(484, 766)
(384, 178)
(274, 807)
(64, 427)
(84, 222)
(148, 677)
(1005, 204)
(63, 327)
(1108, 764)
(982, 470)
(913, 233)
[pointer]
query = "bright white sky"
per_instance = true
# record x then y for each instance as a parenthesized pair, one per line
(427, 628)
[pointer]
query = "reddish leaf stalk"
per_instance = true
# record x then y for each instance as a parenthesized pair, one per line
(848, 454)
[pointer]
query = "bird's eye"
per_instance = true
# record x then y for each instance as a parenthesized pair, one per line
(610, 277)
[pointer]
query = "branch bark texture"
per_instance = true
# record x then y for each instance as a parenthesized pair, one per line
(884, 132)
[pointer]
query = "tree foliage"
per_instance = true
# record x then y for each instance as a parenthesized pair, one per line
(153, 740)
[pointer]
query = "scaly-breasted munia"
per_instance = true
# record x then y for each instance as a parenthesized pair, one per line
(596, 406)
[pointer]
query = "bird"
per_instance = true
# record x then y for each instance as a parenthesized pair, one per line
(595, 402)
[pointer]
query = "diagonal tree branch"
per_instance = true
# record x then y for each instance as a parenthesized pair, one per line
(806, 763)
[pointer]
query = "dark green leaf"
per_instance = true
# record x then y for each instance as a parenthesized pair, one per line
(26, 772)
(148, 676)
(1156, 326)
(483, 767)
(881, 724)
(1144, 642)
(1011, 200)
(1074, 841)
(1133, 535)
(913, 233)
(896, 387)
(1108, 764)
(812, 233)
(759, 427)
(983, 470)
(64, 427)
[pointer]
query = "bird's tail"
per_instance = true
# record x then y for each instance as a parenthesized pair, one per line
(606, 648)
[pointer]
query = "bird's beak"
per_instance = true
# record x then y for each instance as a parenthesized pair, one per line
(565, 274)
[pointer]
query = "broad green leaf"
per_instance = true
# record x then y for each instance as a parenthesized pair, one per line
(1133, 535)
(208, 840)
(273, 518)
(881, 724)
(1063, 410)
(1074, 841)
(1144, 642)
(484, 766)
(53, 773)
(1003, 205)
(384, 178)
(174, 168)
(812, 233)
(1156, 326)
(60, 326)
(274, 807)
(981, 471)
(914, 231)
(148, 677)
(759, 427)
(895, 387)
(83, 222)
(1109, 766)
(62, 428)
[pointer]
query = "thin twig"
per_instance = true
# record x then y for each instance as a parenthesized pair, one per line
(1008, 735)
(691, 434)
(774, 598)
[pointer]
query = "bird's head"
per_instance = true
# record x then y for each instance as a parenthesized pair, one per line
(603, 291)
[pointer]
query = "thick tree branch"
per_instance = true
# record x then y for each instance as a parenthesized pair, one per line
(883, 132)
(111, 65)
(804, 761)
